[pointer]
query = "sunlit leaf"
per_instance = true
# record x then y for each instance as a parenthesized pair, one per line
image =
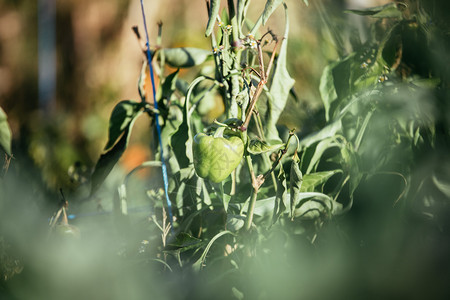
(5, 133)
(258, 147)
(213, 13)
(281, 85)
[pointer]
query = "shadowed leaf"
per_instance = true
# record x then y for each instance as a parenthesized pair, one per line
(124, 113)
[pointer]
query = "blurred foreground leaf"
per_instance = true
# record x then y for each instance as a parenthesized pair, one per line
(5, 133)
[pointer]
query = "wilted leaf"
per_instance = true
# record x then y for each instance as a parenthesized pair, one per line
(258, 147)
(185, 57)
(5, 133)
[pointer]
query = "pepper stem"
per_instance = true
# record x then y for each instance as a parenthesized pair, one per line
(219, 132)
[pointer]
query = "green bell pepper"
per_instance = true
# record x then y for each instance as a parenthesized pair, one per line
(215, 157)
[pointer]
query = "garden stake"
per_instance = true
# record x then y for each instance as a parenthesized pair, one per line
(158, 127)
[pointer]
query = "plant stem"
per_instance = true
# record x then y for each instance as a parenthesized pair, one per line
(251, 208)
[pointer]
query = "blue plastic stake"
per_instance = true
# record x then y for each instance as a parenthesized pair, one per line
(158, 127)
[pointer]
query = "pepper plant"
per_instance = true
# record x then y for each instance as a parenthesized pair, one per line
(235, 165)
(240, 175)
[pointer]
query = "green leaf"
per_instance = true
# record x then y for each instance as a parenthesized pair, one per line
(281, 85)
(270, 7)
(108, 160)
(213, 13)
(257, 147)
(315, 180)
(389, 10)
(185, 57)
(123, 114)
(280, 198)
(5, 133)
